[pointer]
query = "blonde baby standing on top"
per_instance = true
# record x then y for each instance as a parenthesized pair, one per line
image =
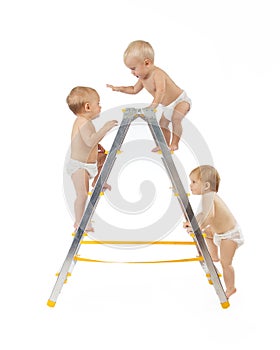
(139, 58)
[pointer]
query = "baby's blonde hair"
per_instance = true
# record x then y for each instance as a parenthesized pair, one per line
(140, 49)
(78, 97)
(207, 173)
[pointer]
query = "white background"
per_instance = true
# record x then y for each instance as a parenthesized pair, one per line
(225, 54)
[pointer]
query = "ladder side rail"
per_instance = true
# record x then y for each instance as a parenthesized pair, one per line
(202, 262)
(129, 115)
(187, 210)
(111, 157)
(105, 172)
(180, 202)
(75, 246)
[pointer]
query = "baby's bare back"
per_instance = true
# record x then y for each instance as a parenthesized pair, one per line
(223, 219)
(158, 79)
(81, 148)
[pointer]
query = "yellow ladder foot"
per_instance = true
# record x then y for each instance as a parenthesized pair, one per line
(225, 305)
(51, 303)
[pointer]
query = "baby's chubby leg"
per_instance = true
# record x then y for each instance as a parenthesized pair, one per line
(213, 249)
(81, 183)
(164, 125)
(227, 250)
(179, 113)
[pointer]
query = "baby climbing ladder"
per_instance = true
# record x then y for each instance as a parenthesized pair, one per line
(148, 115)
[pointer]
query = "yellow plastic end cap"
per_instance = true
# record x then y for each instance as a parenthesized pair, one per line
(51, 303)
(106, 152)
(225, 305)
(101, 193)
(84, 234)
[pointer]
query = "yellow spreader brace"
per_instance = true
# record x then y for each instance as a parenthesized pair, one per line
(78, 258)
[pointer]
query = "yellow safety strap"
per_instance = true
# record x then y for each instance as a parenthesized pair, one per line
(78, 258)
(140, 242)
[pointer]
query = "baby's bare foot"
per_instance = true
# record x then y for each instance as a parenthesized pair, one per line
(173, 147)
(230, 292)
(107, 187)
(156, 149)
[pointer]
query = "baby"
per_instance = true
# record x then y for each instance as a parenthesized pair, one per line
(139, 58)
(216, 221)
(82, 166)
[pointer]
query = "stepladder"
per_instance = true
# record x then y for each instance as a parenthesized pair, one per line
(149, 116)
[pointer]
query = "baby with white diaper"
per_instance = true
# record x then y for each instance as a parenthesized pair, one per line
(82, 166)
(174, 101)
(217, 222)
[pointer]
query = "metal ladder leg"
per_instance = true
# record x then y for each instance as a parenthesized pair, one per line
(150, 118)
(129, 115)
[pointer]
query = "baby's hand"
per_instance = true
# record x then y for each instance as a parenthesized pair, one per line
(101, 149)
(207, 230)
(114, 88)
(152, 106)
(110, 124)
(187, 225)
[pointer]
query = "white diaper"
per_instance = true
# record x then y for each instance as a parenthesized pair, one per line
(234, 235)
(73, 165)
(168, 110)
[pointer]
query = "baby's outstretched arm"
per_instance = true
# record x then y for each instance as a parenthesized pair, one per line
(92, 137)
(114, 88)
(127, 89)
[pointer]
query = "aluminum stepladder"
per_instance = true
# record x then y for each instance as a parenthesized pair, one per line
(129, 115)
